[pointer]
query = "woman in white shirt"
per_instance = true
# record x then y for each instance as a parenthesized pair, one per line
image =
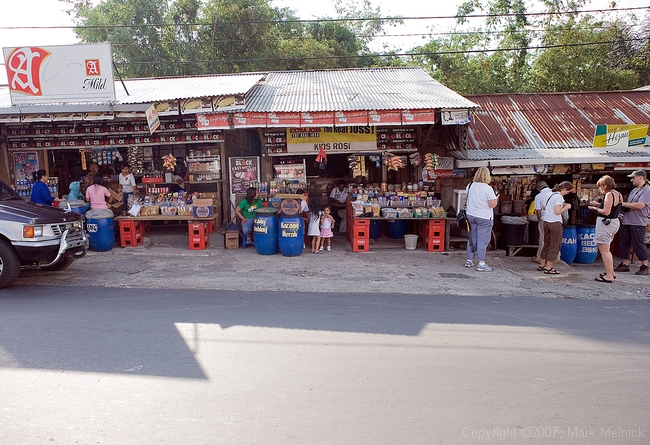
(127, 181)
(552, 211)
(481, 200)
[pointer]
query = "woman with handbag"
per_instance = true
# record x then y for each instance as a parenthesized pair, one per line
(480, 200)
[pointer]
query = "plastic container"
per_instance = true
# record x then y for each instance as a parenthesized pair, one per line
(265, 230)
(587, 249)
(396, 229)
(410, 242)
(291, 235)
(76, 206)
(376, 228)
(512, 234)
(569, 244)
(389, 213)
(101, 231)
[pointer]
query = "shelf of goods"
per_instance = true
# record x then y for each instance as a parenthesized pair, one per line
(204, 168)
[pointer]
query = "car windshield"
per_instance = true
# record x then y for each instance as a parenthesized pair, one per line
(7, 192)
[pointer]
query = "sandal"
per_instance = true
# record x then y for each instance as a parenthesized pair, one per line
(541, 269)
(603, 280)
(551, 271)
(605, 273)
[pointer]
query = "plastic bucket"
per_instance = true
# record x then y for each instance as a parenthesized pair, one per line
(410, 242)
(396, 228)
(265, 230)
(569, 244)
(512, 234)
(101, 233)
(587, 248)
(291, 235)
(376, 227)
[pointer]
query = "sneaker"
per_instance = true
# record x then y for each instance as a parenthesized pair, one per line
(622, 268)
(320, 249)
(329, 248)
(469, 263)
(483, 268)
(643, 270)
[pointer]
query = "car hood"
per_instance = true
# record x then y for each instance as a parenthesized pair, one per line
(29, 212)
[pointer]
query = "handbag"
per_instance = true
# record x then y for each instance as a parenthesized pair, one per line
(461, 216)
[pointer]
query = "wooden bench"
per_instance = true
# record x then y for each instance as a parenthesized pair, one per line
(512, 250)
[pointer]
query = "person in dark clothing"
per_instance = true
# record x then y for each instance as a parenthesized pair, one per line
(40, 192)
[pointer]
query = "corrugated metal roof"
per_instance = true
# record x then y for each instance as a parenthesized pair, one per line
(174, 88)
(352, 89)
(550, 125)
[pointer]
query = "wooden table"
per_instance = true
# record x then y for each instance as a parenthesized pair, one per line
(132, 234)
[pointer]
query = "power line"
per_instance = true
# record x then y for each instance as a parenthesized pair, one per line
(284, 22)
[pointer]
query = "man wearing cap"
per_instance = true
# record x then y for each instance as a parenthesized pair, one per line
(631, 236)
(540, 201)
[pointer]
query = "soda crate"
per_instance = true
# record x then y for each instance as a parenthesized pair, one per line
(435, 243)
(199, 242)
(128, 227)
(130, 240)
(212, 225)
(197, 228)
(360, 244)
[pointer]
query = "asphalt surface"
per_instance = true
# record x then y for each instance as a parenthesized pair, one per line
(164, 261)
(163, 366)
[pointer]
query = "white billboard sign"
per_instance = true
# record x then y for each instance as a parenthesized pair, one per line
(59, 74)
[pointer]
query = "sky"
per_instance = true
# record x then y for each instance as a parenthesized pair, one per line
(48, 13)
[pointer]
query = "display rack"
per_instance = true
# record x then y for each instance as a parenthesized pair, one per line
(204, 168)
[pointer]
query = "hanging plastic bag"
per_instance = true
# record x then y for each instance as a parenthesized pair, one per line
(321, 159)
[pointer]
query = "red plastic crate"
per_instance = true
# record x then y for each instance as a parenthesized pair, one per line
(127, 226)
(130, 240)
(199, 242)
(435, 244)
(360, 244)
(197, 228)
(212, 225)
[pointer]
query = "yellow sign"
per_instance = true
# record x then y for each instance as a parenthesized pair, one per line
(620, 136)
(331, 139)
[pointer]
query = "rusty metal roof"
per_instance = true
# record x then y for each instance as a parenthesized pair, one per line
(352, 89)
(516, 128)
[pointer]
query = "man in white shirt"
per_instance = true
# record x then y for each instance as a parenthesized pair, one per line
(540, 202)
(337, 201)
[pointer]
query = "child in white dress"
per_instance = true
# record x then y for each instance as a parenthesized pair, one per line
(314, 224)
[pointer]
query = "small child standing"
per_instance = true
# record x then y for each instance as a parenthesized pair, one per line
(326, 224)
(314, 224)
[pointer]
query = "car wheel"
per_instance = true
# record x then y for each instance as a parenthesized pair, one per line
(63, 263)
(9, 264)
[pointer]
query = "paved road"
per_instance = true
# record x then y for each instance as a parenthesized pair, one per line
(193, 366)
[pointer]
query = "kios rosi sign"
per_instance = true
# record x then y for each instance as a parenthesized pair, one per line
(55, 74)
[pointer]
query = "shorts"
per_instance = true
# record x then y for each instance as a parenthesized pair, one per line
(605, 232)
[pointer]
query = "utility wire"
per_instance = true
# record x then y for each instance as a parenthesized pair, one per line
(291, 21)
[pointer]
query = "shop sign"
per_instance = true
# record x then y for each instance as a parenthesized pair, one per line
(249, 120)
(444, 163)
(343, 118)
(332, 140)
(460, 173)
(283, 120)
(228, 103)
(152, 118)
(213, 121)
(620, 136)
(631, 166)
(56, 74)
(290, 206)
(243, 172)
(25, 163)
(67, 117)
(201, 105)
(167, 108)
(385, 117)
(317, 119)
(454, 117)
(418, 117)
(443, 174)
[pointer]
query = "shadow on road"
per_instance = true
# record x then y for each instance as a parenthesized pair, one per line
(134, 331)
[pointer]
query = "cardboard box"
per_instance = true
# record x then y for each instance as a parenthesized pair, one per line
(232, 239)
(202, 208)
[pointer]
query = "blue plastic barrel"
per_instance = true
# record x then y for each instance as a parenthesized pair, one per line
(376, 227)
(587, 247)
(291, 235)
(569, 244)
(76, 206)
(265, 231)
(101, 233)
(396, 228)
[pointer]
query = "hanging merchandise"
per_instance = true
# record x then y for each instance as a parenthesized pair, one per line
(430, 161)
(415, 159)
(135, 159)
(376, 160)
(394, 162)
(353, 162)
(321, 159)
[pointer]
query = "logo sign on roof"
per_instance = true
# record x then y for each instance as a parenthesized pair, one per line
(620, 136)
(454, 117)
(59, 74)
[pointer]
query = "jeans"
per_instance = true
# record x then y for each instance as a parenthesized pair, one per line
(632, 239)
(479, 236)
(247, 227)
